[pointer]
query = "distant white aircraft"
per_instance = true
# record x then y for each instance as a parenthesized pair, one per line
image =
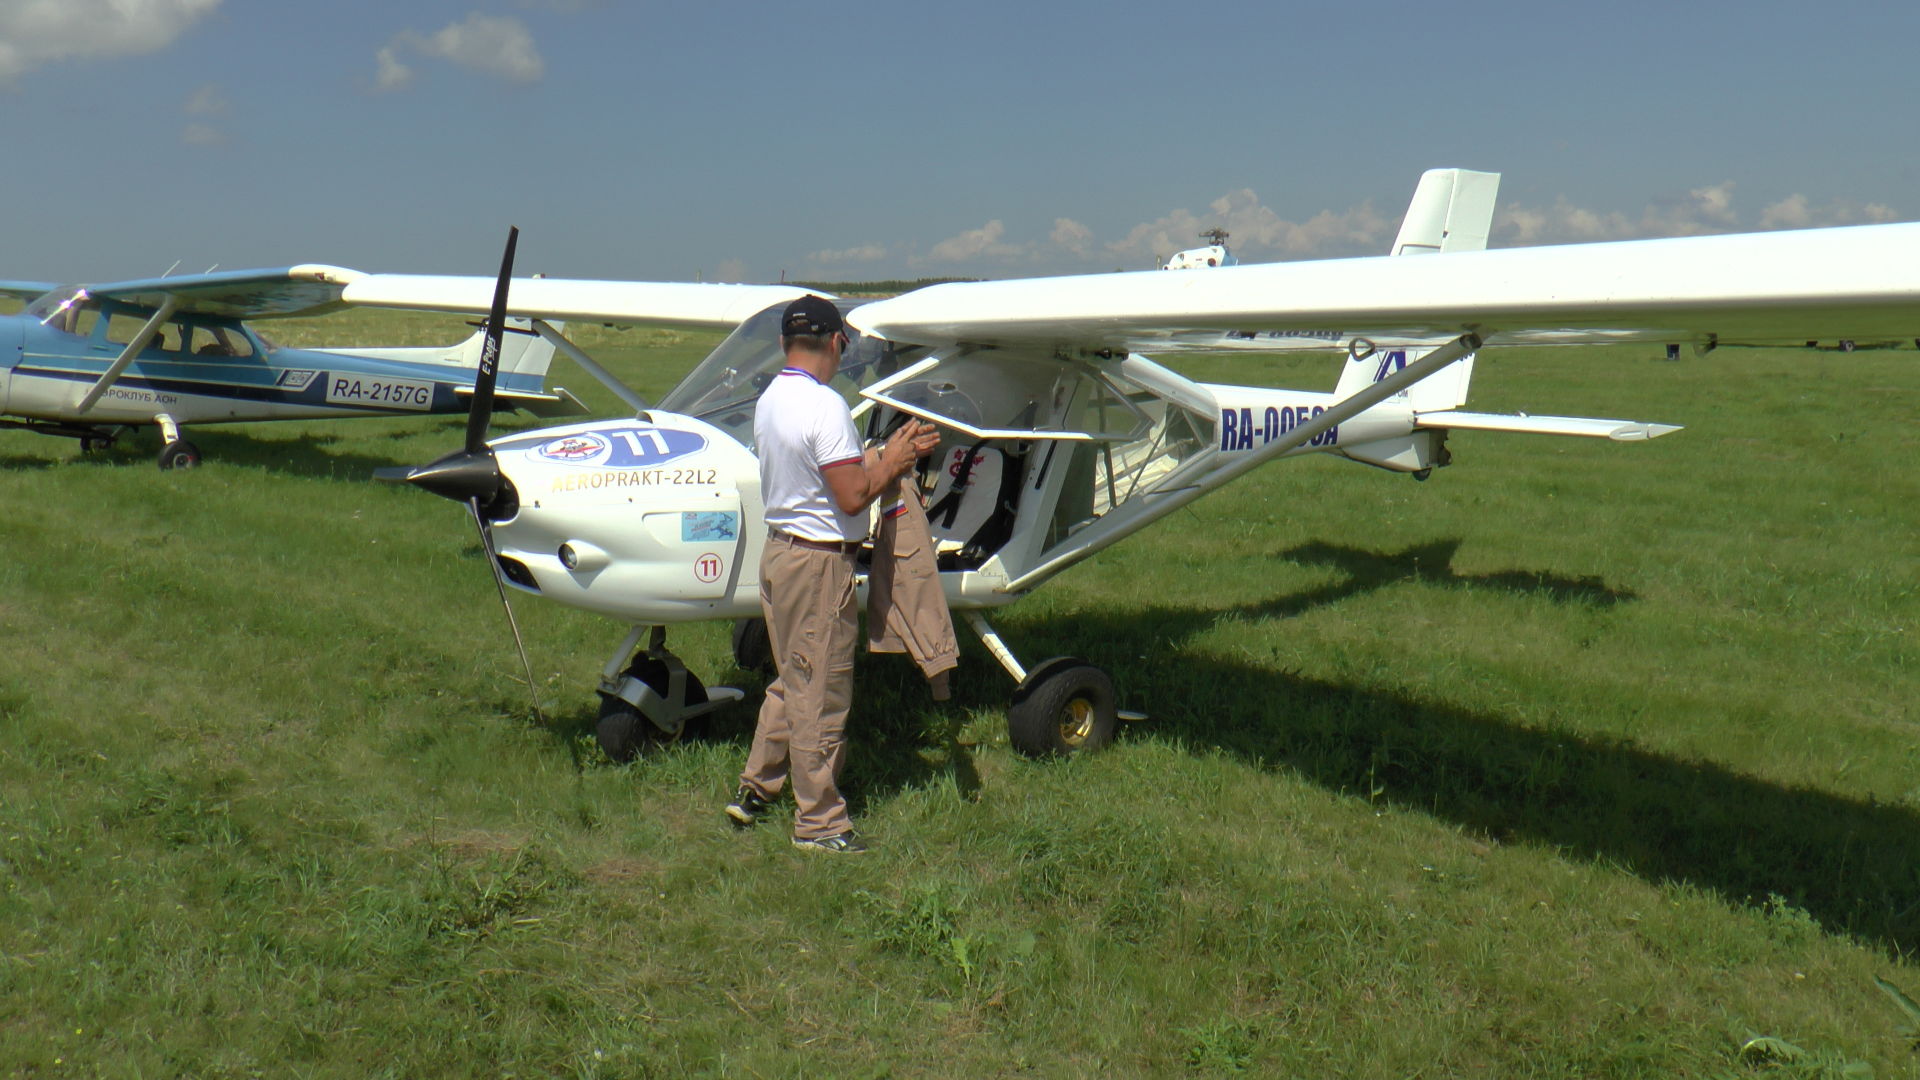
(1062, 436)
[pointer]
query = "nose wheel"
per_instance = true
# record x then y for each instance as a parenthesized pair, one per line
(176, 452)
(652, 700)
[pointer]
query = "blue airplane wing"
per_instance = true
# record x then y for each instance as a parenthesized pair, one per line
(308, 289)
(27, 290)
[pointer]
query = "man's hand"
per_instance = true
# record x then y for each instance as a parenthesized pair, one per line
(909, 443)
(854, 488)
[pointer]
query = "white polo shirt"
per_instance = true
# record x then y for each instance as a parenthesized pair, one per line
(800, 429)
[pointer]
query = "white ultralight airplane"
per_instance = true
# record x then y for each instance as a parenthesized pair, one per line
(1061, 436)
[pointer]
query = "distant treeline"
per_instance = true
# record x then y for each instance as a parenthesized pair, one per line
(876, 288)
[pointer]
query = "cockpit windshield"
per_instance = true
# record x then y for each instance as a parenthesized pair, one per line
(725, 387)
(57, 303)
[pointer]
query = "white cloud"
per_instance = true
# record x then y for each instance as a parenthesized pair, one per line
(1700, 212)
(984, 242)
(1257, 233)
(862, 253)
(1797, 212)
(495, 45)
(206, 102)
(1070, 235)
(203, 135)
(392, 74)
(40, 32)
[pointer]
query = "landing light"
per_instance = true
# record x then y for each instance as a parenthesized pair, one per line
(582, 557)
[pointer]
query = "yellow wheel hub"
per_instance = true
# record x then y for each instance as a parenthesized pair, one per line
(1076, 722)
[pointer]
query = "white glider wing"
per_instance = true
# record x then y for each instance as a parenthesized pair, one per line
(1758, 288)
(677, 304)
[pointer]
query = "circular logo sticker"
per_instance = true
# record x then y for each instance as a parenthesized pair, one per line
(586, 448)
(708, 567)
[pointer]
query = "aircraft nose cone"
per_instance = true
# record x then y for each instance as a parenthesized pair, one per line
(462, 476)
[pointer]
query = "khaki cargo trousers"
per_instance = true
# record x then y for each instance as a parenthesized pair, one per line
(807, 596)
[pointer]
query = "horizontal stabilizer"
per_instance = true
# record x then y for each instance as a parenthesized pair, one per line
(559, 403)
(1617, 430)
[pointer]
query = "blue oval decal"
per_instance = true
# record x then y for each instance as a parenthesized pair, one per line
(629, 446)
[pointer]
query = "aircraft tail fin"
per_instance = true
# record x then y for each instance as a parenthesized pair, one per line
(522, 351)
(1444, 389)
(1452, 210)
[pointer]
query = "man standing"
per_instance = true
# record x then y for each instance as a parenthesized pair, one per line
(816, 483)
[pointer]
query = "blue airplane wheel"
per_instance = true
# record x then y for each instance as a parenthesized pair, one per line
(179, 454)
(1064, 706)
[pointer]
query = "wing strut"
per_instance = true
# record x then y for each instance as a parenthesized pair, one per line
(112, 374)
(591, 366)
(1354, 404)
(1100, 534)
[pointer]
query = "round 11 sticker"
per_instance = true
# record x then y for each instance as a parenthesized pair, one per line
(707, 567)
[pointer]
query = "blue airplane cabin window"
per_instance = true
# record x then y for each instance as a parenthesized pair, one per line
(219, 341)
(66, 310)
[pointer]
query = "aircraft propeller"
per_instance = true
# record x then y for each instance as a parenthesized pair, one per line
(471, 474)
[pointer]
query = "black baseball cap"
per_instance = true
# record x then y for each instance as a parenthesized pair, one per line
(811, 315)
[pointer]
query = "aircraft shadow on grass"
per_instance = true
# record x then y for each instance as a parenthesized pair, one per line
(307, 455)
(1849, 862)
(1427, 564)
(1852, 863)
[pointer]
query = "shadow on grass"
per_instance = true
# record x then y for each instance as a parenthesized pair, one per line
(898, 735)
(306, 454)
(1427, 564)
(1853, 863)
(311, 455)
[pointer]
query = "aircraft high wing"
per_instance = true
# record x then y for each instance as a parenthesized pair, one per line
(1062, 435)
(1761, 288)
(85, 360)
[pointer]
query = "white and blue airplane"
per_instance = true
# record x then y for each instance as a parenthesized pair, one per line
(1061, 435)
(89, 361)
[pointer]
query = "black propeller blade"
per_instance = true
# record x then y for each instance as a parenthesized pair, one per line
(471, 474)
(481, 410)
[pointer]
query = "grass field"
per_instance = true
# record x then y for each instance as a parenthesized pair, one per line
(1578, 760)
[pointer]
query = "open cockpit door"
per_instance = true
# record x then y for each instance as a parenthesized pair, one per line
(1037, 446)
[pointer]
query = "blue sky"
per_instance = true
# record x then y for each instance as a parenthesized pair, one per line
(741, 141)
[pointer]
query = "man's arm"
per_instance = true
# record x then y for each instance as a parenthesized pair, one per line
(855, 484)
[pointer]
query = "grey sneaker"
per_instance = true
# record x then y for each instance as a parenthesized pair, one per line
(839, 844)
(747, 806)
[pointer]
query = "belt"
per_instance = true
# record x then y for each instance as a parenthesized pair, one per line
(842, 547)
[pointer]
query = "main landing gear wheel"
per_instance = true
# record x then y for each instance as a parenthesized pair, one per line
(1063, 706)
(179, 454)
(752, 648)
(624, 733)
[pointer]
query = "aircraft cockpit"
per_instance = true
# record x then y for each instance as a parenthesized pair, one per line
(723, 389)
(60, 308)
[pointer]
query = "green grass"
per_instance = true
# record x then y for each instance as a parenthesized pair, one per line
(1578, 760)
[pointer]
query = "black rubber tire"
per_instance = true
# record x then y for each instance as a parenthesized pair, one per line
(752, 648)
(623, 733)
(179, 454)
(1064, 706)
